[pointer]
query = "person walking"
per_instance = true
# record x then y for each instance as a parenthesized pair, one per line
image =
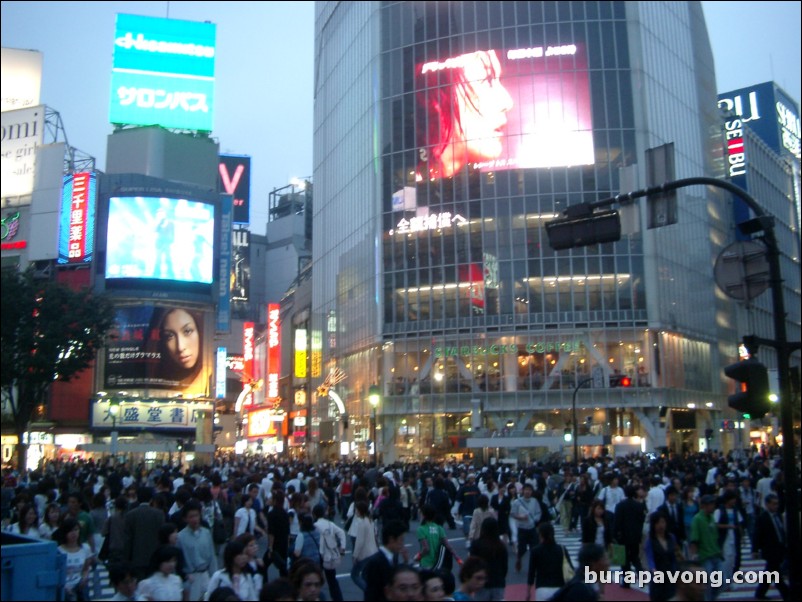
(489, 547)
(662, 552)
(480, 513)
(771, 544)
(546, 565)
(198, 547)
(329, 532)
(142, 531)
(703, 538)
(526, 511)
(630, 516)
(365, 542)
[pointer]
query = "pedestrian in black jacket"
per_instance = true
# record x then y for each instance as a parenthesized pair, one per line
(771, 541)
(675, 514)
(630, 515)
(379, 568)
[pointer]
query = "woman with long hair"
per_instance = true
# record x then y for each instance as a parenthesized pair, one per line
(50, 521)
(255, 565)
(315, 493)
(480, 513)
(234, 574)
(597, 526)
(163, 583)
(28, 523)
(364, 541)
(489, 547)
(662, 551)
(179, 332)
(546, 565)
(78, 561)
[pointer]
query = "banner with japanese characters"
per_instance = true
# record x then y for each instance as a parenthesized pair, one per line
(158, 347)
(136, 414)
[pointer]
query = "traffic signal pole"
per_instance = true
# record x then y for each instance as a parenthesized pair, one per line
(780, 344)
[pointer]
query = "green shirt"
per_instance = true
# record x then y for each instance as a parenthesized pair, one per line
(433, 534)
(704, 533)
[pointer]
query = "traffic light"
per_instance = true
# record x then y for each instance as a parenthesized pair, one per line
(620, 380)
(581, 229)
(753, 397)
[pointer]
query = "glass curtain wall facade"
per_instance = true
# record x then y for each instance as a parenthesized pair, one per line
(446, 135)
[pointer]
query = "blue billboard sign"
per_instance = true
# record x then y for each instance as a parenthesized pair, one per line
(163, 73)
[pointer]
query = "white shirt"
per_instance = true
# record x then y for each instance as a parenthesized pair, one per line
(655, 499)
(594, 474)
(611, 496)
(243, 525)
(162, 587)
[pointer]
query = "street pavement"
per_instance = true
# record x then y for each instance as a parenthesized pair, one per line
(516, 582)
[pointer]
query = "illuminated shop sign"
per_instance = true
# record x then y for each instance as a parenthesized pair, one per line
(435, 221)
(479, 350)
(235, 179)
(273, 350)
(150, 414)
(9, 227)
(789, 129)
(247, 349)
(496, 109)
(77, 220)
(235, 363)
(220, 380)
(163, 73)
(240, 278)
(317, 353)
(300, 353)
(262, 423)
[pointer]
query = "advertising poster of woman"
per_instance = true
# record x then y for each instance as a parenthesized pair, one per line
(158, 347)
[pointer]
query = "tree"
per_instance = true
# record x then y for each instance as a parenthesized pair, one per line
(49, 332)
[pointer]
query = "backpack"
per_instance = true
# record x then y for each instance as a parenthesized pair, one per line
(330, 549)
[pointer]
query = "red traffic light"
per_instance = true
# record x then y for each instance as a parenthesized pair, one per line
(619, 380)
(625, 382)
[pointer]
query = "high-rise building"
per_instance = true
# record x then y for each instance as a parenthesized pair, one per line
(447, 134)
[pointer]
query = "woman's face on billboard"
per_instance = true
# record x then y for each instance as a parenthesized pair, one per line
(181, 338)
(483, 103)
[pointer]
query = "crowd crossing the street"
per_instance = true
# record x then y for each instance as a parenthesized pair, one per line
(264, 529)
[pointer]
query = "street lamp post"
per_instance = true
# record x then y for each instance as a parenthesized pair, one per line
(575, 430)
(374, 396)
(114, 410)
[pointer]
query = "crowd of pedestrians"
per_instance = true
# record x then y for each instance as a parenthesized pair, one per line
(263, 529)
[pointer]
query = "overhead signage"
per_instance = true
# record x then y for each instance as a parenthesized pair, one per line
(224, 266)
(163, 73)
(479, 350)
(220, 373)
(77, 220)
(247, 349)
(435, 221)
(240, 279)
(300, 353)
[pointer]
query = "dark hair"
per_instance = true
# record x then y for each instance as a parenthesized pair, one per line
(471, 566)
(277, 589)
(362, 508)
(392, 529)
(319, 511)
(67, 525)
(223, 594)
(398, 570)
(168, 367)
(590, 553)
(303, 567)
(233, 549)
(118, 571)
(483, 501)
(23, 513)
(306, 522)
(593, 505)
(245, 538)
(165, 531)
(190, 506)
(428, 512)
(163, 554)
(653, 520)
(546, 531)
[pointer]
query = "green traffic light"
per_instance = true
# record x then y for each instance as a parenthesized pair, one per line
(747, 417)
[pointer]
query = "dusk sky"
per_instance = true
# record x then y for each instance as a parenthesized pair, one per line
(264, 70)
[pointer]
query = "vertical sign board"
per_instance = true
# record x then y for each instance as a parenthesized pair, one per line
(220, 373)
(163, 73)
(240, 267)
(273, 350)
(300, 353)
(235, 179)
(76, 241)
(224, 266)
(247, 350)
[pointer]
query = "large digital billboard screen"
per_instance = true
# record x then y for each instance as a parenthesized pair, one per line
(163, 73)
(158, 347)
(495, 109)
(160, 238)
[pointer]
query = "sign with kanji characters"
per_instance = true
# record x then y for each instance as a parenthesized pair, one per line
(76, 239)
(150, 414)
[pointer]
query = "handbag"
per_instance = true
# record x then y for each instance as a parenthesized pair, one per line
(444, 560)
(618, 554)
(568, 570)
(219, 534)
